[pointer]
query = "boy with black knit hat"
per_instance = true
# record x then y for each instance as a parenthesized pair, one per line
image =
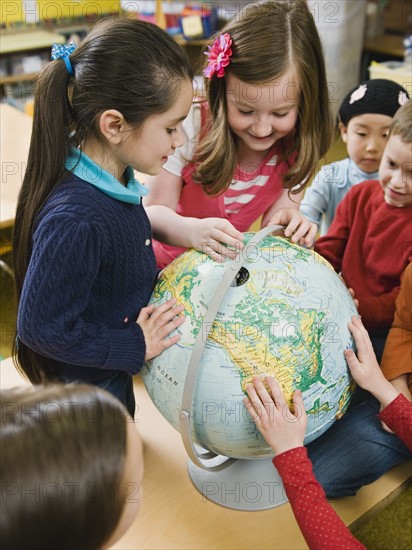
(364, 119)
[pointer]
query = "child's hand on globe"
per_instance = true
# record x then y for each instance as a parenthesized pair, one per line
(217, 238)
(297, 227)
(365, 368)
(157, 323)
(282, 429)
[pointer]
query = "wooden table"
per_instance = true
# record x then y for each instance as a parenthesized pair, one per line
(15, 135)
(174, 515)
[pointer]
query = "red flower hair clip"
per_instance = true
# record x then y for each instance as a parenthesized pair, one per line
(219, 56)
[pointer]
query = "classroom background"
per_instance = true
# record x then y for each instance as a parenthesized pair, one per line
(362, 39)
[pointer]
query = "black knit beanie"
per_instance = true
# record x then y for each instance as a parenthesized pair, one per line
(377, 96)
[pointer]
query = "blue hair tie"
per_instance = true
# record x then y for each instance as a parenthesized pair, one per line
(61, 51)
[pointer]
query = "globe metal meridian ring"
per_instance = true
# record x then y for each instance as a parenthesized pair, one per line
(185, 412)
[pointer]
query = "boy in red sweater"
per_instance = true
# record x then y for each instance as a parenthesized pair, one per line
(370, 239)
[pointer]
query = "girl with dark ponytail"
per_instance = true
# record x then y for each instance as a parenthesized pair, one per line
(83, 257)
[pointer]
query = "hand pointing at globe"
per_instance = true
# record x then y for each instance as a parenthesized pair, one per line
(281, 428)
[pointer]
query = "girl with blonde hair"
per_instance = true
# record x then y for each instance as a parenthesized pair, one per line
(253, 143)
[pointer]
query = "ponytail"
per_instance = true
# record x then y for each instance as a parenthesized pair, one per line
(49, 146)
(48, 150)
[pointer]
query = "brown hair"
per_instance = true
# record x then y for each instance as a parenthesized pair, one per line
(128, 65)
(401, 124)
(62, 461)
(268, 38)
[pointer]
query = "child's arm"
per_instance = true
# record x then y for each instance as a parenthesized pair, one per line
(216, 237)
(400, 383)
(397, 410)
(316, 200)
(284, 431)
(332, 246)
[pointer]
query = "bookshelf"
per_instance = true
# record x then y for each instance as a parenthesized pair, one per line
(27, 39)
(28, 31)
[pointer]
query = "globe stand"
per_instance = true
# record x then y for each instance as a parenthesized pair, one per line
(246, 485)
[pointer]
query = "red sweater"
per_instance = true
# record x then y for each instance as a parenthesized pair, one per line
(319, 523)
(370, 242)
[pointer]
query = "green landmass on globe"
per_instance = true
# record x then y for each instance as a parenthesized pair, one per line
(286, 316)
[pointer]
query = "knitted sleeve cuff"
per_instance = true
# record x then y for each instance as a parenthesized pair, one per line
(127, 350)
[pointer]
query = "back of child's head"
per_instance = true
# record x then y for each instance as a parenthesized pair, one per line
(378, 96)
(402, 123)
(268, 39)
(62, 459)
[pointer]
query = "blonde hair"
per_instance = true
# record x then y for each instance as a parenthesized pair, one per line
(401, 124)
(268, 38)
(62, 461)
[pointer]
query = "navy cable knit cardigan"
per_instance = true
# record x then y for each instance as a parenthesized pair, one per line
(92, 269)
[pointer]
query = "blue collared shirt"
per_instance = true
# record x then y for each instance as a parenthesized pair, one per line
(86, 169)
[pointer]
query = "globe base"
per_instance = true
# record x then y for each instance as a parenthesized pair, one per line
(246, 485)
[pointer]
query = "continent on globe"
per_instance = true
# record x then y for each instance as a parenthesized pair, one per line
(286, 315)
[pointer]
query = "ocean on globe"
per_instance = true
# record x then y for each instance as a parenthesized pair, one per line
(285, 315)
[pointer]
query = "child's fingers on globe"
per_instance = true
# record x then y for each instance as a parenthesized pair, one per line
(291, 228)
(357, 333)
(267, 400)
(145, 313)
(299, 410)
(229, 240)
(351, 360)
(169, 326)
(161, 316)
(161, 309)
(223, 252)
(252, 410)
(277, 393)
(358, 322)
(231, 254)
(170, 341)
(255, 400)
(311, 235)
(303, 230)
(361, 337)
(254, 393)
(212, 249)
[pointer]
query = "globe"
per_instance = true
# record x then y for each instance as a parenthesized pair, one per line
(284, 314)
